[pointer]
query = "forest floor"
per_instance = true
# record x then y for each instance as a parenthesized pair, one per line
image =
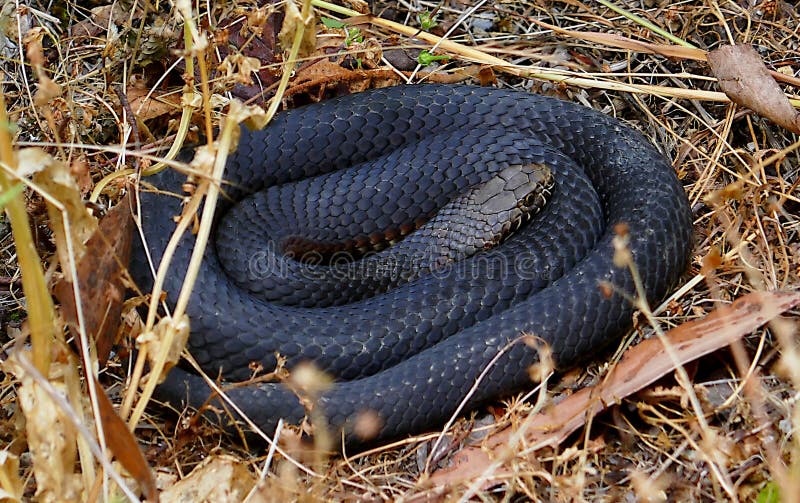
(96, 92)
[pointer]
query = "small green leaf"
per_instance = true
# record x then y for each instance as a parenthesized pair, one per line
(333, 23)
(427, 20)
(771, 493)
(353, 35)
(425, 58)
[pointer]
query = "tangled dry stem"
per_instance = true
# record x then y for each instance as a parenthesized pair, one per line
(747, 220)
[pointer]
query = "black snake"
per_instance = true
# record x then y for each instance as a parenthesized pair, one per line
(408, 356)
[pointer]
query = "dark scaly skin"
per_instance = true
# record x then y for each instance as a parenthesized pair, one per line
(473, 222)
(410, 355)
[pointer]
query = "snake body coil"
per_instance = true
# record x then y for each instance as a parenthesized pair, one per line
(365, 162)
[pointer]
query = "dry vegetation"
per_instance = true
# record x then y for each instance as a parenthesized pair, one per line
(79, 77)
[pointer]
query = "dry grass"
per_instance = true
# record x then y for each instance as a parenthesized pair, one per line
(740, 171)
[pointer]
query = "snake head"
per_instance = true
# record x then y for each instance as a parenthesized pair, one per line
(508, 200)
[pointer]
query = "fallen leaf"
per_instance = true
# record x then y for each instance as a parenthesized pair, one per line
(360, 6)
(51, 435)
(325, 80)
(101, 273)
(322, 71)
(220, 479)
(640, 366)
(56, 180)
(744, 78)
(124, 446)
(239, 68)
(615, 40)
(12, 487)
(292, 21)
(164, 344)
(148, 105)
(257, 38)
(105, 18)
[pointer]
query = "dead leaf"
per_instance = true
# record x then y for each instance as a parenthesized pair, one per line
(124, 446)
(164, 344)
(103, 19)
(218, 479)
(640, 366)
(336, 82)
(101, 273)
(257, 38)
(56, 180)
(31, 161)
(12, 487)
(147, 105)
(336, 46)
(615, 40)
(744, 78)
(359, 6)
(292, 21)
(51, 436)
(322, 71)
(239, 68)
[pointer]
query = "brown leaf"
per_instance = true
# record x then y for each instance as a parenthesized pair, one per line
(640, 366)
(147, 105)
(100, 280)
(292, 21)
(744, 78)
(220, 479)
(51, 435)
(12, 485)
(55, 178)
(102, 19)
(615, 40)
(239, 68)
(257, 38)
(124, 446)
(322, 71)
(164, 344)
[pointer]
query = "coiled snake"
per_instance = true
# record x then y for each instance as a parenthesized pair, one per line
(409, 355)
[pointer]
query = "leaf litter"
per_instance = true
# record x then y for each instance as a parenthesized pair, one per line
(739, 169)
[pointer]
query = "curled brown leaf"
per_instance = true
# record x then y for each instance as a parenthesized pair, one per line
(744, 78)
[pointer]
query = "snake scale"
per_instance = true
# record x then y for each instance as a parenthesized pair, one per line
(409, 356)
